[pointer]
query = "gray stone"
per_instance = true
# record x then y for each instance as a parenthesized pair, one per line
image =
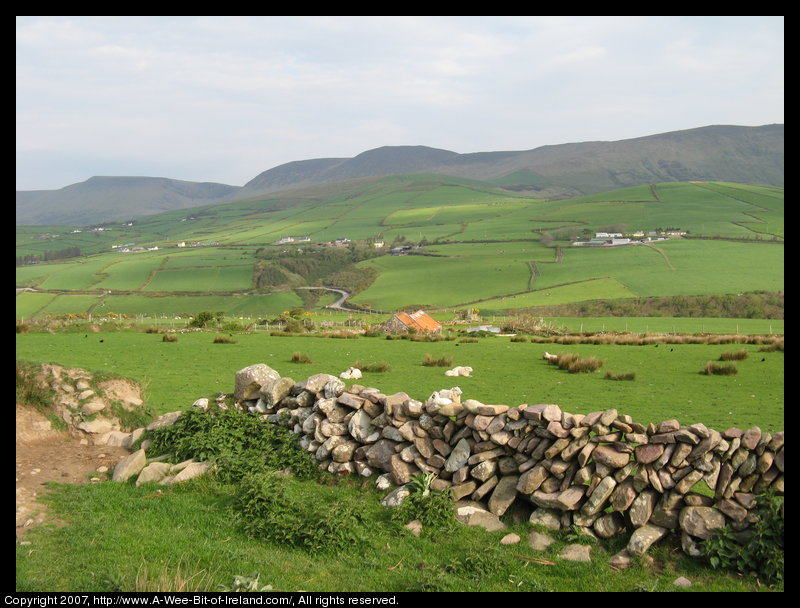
(153, 472)
(503, 495)
(576, 553)
(249, 381)
(700, 521)
(649, 452)
(642, 508)
(396, 497)
(538, 541)
(531, 479)
(607, 455)
(599, 496)
(510, 539)
(458, 456)
(129, 466)
(549, 518)
(193, 470)
(609, 525)
(643, 538)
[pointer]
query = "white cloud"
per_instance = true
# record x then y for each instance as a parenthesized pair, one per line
(255, 92)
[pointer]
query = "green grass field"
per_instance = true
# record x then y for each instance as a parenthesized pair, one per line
(668, 383)
(481, 245)
(117, 537)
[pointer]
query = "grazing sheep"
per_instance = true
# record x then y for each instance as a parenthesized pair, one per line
(352, 373)
(459, 371)
(550, 358)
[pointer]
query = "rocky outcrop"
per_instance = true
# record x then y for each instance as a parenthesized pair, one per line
(601, 472)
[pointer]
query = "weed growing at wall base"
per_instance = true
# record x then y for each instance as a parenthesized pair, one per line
(760, 549)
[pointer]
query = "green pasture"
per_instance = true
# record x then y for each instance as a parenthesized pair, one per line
(590, 289)
(697, 208)
(215, 278)
(74, 276)
(671, 325)
(500, 229)
(29, 303)
(255, 306)
(667, 384)
(441, 281)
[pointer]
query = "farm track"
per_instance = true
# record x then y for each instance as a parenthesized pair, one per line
(662, 254)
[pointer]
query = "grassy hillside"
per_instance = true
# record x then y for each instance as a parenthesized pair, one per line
(473, 246)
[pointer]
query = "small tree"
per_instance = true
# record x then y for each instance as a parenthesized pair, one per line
(203, 319)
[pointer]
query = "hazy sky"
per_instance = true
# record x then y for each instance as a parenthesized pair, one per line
(222, 99)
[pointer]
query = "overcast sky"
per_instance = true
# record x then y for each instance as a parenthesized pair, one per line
(222, 99)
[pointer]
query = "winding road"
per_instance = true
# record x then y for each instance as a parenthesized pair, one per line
(338, 304)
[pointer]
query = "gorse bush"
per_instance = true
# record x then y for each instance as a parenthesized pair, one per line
(759, 549)
(239, 443)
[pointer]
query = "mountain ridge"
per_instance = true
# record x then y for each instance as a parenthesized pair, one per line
(712, 153)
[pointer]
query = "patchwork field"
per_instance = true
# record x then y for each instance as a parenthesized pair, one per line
(479, 247)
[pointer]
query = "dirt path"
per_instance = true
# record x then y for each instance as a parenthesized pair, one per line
(44, 455)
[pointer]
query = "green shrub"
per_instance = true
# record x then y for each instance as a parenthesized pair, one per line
(29, 390)
(759, 549)
(270, 507)
(204, 319)
(239, 443)
(432, 508)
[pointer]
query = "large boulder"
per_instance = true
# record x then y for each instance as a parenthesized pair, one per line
(249, 381)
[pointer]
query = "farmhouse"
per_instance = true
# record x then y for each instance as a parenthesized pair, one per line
(418, 322)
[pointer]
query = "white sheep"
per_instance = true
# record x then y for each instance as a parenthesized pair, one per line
(549, 357)
(461, 370)
(352, 373)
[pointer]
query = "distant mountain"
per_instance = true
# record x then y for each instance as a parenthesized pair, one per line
(107, 199)
(713, 153)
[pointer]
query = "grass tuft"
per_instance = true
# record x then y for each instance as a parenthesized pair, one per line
(713, 368)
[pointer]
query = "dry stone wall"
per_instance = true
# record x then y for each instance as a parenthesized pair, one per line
(602, 471)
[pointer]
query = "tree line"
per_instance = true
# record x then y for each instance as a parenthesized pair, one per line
(55, 254)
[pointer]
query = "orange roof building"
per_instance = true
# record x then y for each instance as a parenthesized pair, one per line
(417, 322)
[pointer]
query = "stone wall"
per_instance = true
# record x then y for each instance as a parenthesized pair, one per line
(602, 471)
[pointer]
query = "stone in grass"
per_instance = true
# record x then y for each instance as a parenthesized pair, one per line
(538, 541)
(510, 539)
(682, 581)
(415, 527)
(576, 553)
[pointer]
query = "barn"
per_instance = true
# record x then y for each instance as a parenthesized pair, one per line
(415, 322)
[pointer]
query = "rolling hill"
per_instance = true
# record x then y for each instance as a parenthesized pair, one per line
(714, 153)
(481, 247)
